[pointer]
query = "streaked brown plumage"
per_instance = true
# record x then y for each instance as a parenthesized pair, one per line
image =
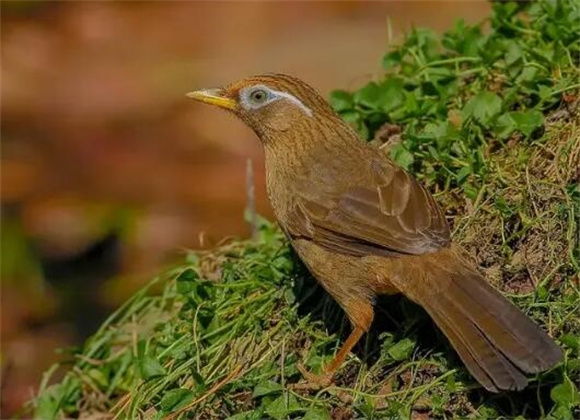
(364, 227)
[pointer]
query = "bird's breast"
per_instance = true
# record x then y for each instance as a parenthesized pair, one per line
(320, 179)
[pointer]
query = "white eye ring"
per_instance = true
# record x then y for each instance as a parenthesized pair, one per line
(267, 95)
(258, 96)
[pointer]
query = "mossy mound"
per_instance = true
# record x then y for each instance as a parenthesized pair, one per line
(489, 121)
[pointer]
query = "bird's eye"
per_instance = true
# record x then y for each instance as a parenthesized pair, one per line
(258, 96)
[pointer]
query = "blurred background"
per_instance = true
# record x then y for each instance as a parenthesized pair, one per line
(108, 172)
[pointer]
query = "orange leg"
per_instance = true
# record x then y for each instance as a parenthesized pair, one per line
(326, 378)
(350, 342)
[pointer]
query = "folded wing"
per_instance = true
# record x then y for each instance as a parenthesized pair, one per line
(388, 213)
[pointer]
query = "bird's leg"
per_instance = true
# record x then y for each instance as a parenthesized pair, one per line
(360, 313)
(350, 342)
(325, 379)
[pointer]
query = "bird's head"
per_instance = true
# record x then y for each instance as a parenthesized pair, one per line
(271, 104)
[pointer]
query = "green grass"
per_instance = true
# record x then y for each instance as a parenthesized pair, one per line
(487, 117)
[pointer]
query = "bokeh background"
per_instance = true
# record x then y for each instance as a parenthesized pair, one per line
(108, 171)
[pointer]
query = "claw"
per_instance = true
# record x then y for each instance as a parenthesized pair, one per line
(312, 381)
(315, 382)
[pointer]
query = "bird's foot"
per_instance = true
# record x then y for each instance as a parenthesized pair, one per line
(313, 381)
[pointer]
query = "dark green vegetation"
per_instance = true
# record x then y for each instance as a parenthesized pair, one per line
(488, 119)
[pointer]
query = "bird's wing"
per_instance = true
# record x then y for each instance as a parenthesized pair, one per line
(392, 214)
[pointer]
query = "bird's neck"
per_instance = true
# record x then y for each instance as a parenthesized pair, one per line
(309, 142)
(312, 152)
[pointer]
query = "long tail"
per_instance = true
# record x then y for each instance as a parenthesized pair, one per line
(498, 343)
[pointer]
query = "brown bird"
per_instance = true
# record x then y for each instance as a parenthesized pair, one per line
(364, 227)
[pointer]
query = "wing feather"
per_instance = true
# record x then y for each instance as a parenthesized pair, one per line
(392, 214)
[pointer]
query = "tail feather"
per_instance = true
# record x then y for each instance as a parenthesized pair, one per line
(496, 341)
(467, 355)
(498, 368)
(522, 341)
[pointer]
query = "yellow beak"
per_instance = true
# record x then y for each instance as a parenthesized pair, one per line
(213, 97)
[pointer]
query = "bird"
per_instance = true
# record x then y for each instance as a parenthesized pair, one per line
(363, 226)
